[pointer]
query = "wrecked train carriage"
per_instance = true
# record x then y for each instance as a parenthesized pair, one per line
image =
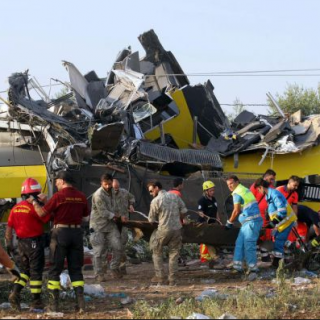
(287, 144)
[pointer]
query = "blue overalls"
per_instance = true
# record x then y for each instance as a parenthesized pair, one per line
(278, 207)
(250, 218)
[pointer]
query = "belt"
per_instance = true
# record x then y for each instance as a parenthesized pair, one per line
(67, 226)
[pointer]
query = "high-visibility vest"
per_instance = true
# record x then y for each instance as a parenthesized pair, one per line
(247, 196)
(287, 221)
(204, 253)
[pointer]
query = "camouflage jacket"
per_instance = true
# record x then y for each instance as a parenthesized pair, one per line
(166, 209)
(103, 211)
(123, 200)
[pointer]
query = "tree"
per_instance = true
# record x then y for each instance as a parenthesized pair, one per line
(297, 98)
(238, 107)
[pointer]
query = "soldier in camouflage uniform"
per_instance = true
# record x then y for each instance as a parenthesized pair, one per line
(124, 205)
(104, 229)
(166, 209)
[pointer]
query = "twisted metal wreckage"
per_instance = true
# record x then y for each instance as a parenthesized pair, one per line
(145, 121)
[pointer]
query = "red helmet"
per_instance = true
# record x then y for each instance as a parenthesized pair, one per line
(31, 186)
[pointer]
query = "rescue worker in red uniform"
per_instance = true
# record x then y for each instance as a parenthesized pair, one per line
(290, 192)
(29, 228)
(177, 187)
(68, 207)
(270, 177)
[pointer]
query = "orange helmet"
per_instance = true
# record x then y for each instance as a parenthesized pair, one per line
(31, 186)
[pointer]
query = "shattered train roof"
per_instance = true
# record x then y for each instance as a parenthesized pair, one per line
(279, 135)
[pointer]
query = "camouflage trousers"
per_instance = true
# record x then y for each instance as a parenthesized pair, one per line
(101, 242)
(172, 239)
(124, 241)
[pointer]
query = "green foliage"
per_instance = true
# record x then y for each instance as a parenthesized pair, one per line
(238, 107)
(297, 98)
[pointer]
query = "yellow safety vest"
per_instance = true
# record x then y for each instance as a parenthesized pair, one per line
(246, 195)
(287, 221)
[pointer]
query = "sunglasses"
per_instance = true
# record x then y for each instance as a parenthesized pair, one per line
(151, 191)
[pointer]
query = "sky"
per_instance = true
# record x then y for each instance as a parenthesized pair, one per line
(206, 36)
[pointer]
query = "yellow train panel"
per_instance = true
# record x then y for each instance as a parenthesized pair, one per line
(302, 164)
(11, 179)
(180, 127)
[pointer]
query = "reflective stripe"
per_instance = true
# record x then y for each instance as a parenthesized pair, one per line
(21, 283)
(54, 285)
(278, 255)
(35, 291)
(23, 280)
(35, 283)
(252, 218)
(77, 284)
(249, 205)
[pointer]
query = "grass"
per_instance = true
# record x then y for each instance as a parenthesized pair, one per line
(250, 303)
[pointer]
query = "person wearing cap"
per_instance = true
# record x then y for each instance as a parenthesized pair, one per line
(208, 213)
(124, 205)
(68, 207)
(247, 209)
(29, 228)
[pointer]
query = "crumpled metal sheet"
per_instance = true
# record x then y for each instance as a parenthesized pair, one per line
(170, 155)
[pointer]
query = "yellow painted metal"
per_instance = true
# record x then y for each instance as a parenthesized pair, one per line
(179, 127)
(301, 164)
(306, 163)
(11, 179)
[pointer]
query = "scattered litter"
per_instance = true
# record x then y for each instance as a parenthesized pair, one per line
(95, 290)
(252, 277)
(291, 307)
(54, 315)
(209, 281)
(271, 294)
(117, 295)
(198, 316)
(5, 305)
(180, 301)
(227, 316)
(126, 301)
(65, 281)
(300, 281)
(309, 274)
(37, 311)
(211, 294)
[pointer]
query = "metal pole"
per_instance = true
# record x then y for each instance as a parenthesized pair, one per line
(195, 130)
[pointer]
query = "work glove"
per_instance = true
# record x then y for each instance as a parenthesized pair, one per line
(229, 225)
(315, 243)
(15, 272)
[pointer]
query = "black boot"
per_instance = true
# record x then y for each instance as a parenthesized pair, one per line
(80, 303)
(37, 302)
(54, 297)
(275, 263)
(14, 297)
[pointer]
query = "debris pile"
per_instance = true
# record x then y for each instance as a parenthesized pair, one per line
(144, 112)
(280, 135)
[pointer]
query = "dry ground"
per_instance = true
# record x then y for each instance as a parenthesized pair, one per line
(261, 298)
